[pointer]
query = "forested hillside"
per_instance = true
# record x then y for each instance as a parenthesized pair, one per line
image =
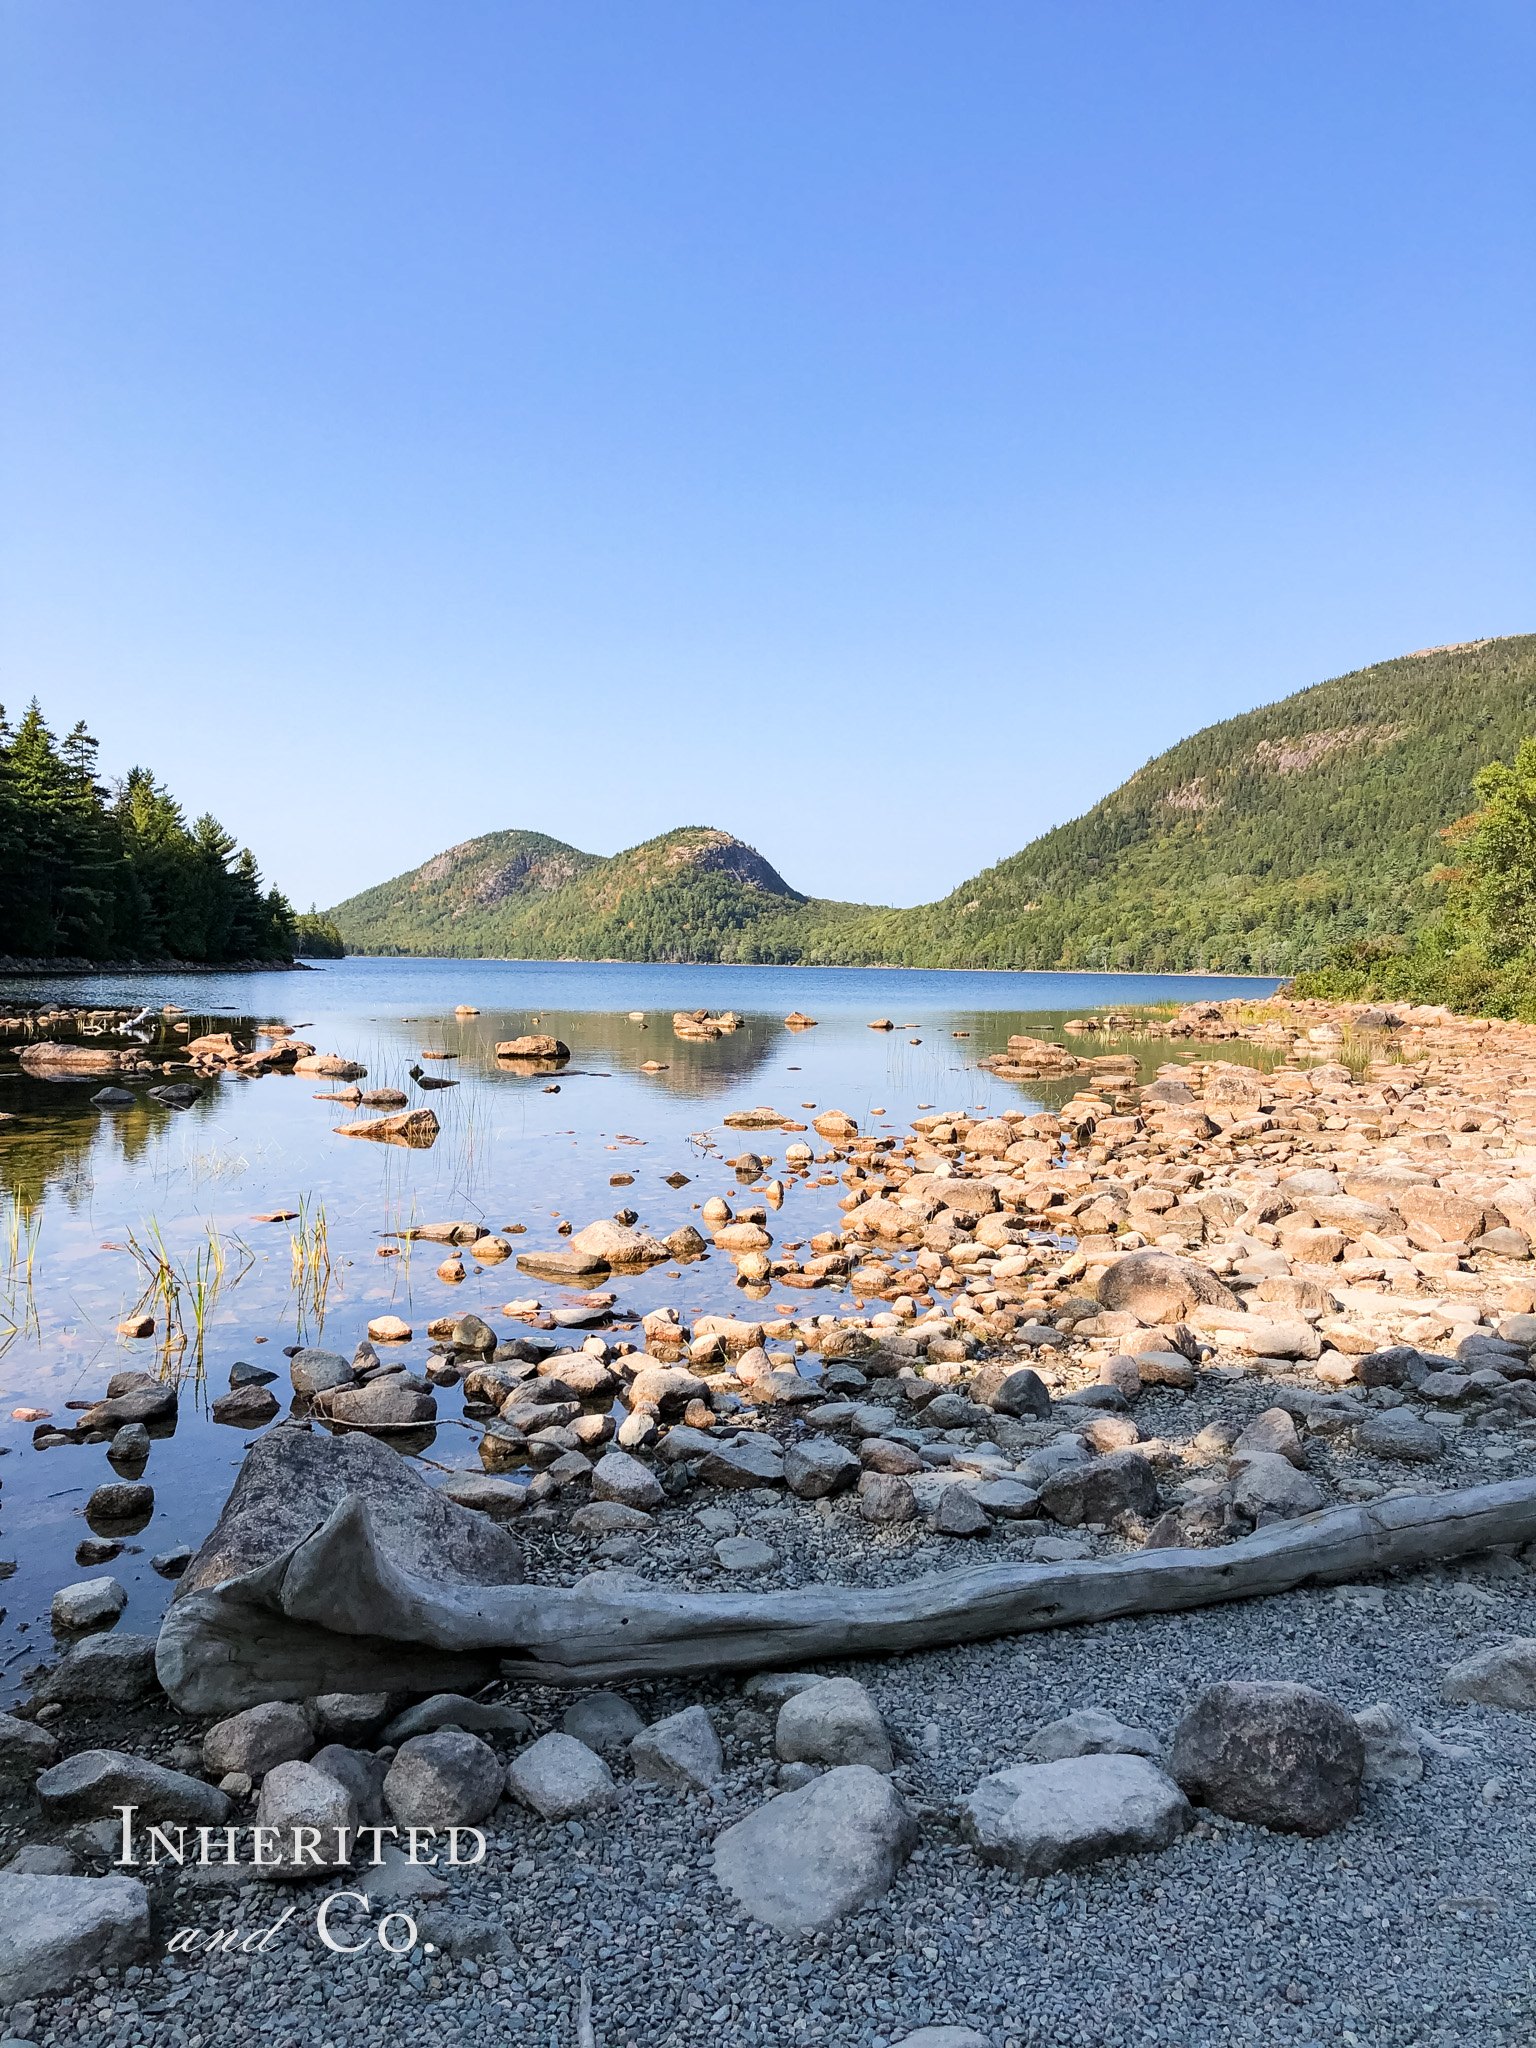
(118, 874)
(693, 894)
(1262, 844)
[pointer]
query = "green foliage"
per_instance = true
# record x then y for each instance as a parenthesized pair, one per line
(316, 936)
(88, 872)
(1479, 955)
(1260, 845)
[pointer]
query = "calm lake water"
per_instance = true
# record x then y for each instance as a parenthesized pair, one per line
(82, 1186)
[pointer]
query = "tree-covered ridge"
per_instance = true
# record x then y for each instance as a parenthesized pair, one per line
(692, 894)
(1259, 845)
(117, 873)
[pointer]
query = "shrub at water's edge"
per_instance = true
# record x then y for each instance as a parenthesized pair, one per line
(1478, 956)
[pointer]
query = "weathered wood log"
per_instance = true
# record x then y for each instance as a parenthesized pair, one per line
(364, 1589)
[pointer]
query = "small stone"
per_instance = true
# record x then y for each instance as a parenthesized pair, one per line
(1502, 1676)
(447, 1779)
(745, 1554)
(452, 1710)
(770, 1689)
(814, 1469)
(886, 1497)
(754, 1461)
(601, 1518)
(1273, 1432)
(1402, 1435)
(296, 1795)
(124, 1502)
(25, 1749)
(245, 1407)
(561, 1779)
(619, 1477)
(682, 1750)
(1269, 1485)
(959, 1513)
(94, 1783)
(1392, 1752)
(170, 1564)
(257, 1739)
(835, 1722)
(352, 1718)
(602, 1720)
(1090, 1733)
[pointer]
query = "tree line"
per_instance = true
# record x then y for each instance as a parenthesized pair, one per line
(116, 872)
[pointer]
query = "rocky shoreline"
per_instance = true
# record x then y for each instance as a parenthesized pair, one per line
(1172, 1314)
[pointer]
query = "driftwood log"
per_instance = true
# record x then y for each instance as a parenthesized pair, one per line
(390, 1587)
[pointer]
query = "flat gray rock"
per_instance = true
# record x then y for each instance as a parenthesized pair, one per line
(451, 1709)
(94, 1783)
(745, 1554)
(1039, 1818)
(25, 1749)
(811, 1857)
(1090, 1733)
(1504, 1676)
(58, 1929)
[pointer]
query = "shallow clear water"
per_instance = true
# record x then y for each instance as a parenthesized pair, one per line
(81, 1183)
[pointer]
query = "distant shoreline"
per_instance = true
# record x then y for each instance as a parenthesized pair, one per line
(832, 967)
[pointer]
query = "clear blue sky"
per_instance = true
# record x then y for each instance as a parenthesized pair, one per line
(600, 417)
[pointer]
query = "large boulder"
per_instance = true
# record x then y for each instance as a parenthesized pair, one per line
(1271, 1753)
(449, 1779)
(1158, 1287)
(224, 1645)
(835, 1722)
(1039, 1818)
(811, 1857)
(59, 1929)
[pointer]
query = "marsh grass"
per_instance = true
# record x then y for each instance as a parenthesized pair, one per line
(18, 1300)
(311, 1270)
(182, 1293)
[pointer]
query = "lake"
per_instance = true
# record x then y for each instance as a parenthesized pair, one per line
(95, 1199)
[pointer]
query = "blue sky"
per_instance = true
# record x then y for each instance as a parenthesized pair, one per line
(871, 428)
